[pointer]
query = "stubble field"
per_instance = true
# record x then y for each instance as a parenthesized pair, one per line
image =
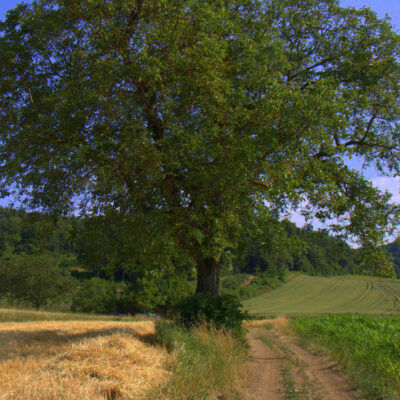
(79, 360)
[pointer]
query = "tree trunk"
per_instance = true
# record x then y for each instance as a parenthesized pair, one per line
(208, 276)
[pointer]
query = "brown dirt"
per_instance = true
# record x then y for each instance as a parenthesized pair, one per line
(280, 369)
(264, 369)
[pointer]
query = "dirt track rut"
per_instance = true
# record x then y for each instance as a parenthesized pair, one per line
(280, 369)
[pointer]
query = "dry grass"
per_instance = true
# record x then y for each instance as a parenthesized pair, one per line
(281, 323)
(79, 360)
(256, 323)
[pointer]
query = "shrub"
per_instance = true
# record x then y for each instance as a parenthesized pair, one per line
(223, 311)
(147, 293)
(139, 296)
(234, 285)
(36, 279)
(95, 296)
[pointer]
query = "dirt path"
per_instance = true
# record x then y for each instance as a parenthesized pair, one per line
(280, 369)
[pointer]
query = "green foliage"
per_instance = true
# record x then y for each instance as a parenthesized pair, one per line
(255, 285)
(275, 247)
(368, 347)
(378, 262)
(147, 292)
(394, 250)
(34, 233)
(233, 282)
(36, 279)
(143, 295)
(95, 296)
(253, 110)
(224, 311)
(140, 294)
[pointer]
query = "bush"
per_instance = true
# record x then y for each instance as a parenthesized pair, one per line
(36, 279)
(265, 281)
(234, 285)
(139, 296)
(223, 311)
(234, 282)
(152, 294)
(95, 296)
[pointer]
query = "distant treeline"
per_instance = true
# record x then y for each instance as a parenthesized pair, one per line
(99, 251)
(297, 249)
(394, 250)
(104, 269)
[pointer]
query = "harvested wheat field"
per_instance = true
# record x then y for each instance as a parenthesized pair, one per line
(79, 360)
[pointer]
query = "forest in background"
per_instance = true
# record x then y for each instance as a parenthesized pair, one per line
(89, 264)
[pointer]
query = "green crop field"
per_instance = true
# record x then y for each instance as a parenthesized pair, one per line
(312, 295)
(368, 348)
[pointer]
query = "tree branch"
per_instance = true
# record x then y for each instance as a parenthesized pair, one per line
(318, 64)
(151, 115)
(361, 141)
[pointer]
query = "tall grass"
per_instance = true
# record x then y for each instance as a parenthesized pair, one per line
(207, 363)
(369, 349)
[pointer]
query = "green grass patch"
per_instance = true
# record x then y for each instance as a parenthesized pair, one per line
(369, 349)
(12, 315)
(208, 363)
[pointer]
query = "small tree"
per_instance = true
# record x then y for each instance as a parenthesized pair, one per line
(188, 118)
(34, 278)
(95, 296)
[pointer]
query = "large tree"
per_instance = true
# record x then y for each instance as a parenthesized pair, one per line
(188, 118)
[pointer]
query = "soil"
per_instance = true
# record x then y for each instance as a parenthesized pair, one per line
(280, 369)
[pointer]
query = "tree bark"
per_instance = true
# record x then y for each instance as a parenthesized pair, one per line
(208, 276)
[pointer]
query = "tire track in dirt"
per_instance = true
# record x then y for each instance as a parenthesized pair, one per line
(263, 368)
(280, 369)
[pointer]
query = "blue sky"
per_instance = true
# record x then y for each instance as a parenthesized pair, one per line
(391, 7)
(382, 7)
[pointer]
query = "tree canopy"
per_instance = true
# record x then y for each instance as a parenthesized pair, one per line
(189, 119)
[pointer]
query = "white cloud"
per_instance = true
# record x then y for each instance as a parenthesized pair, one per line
(391, 184)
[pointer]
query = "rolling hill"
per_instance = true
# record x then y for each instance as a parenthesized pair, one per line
(313, 295)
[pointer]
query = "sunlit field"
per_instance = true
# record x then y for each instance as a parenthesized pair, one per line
(79, 360)
(312, 295)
